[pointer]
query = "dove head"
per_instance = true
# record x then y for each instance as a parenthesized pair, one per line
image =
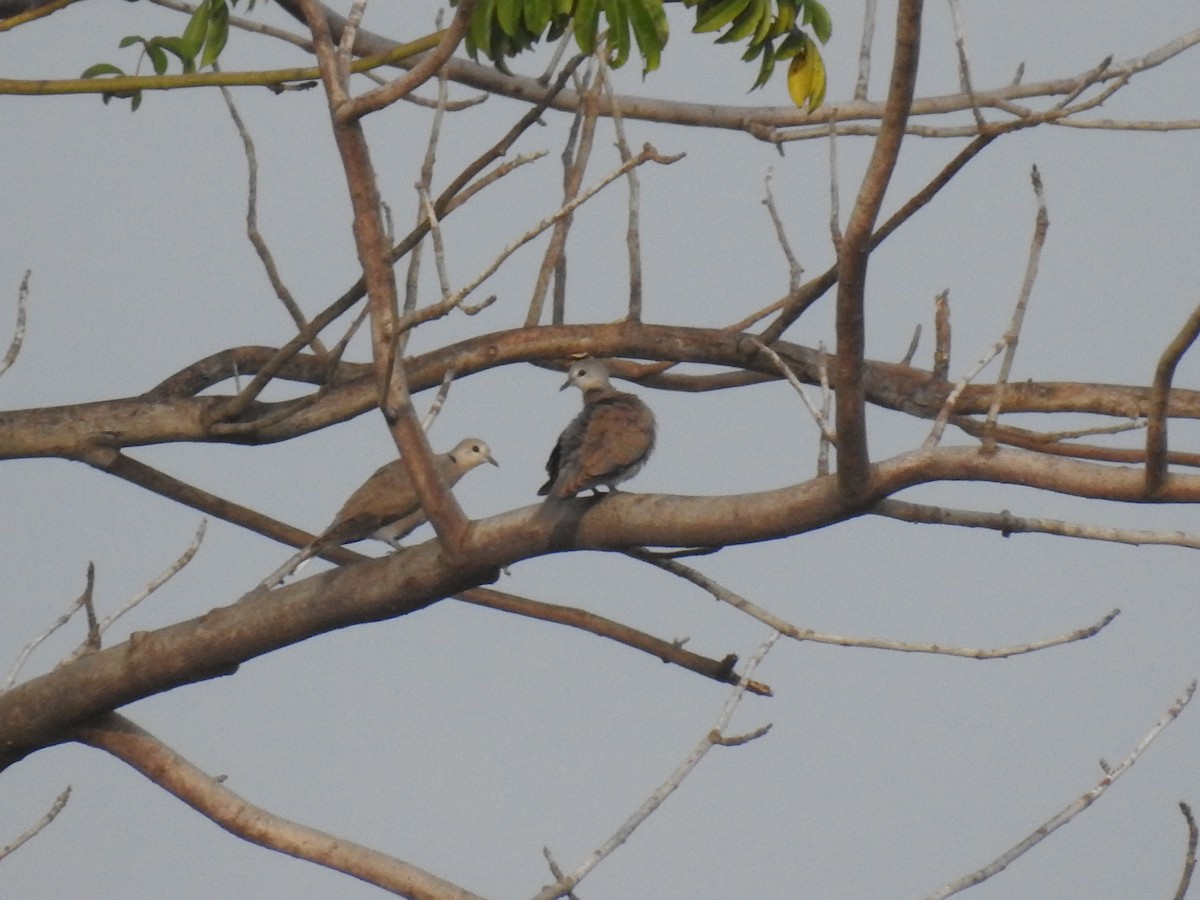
(471, 452)
(587, 375)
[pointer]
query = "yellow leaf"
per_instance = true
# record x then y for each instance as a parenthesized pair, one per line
(806, 77)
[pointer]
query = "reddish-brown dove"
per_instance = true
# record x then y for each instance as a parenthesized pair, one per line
(607, 443)
(386, 506)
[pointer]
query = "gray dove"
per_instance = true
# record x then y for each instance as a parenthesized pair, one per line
(386, 506)
(607, 443)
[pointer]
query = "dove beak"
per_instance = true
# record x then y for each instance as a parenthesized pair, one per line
(493, 461)
(566, 384)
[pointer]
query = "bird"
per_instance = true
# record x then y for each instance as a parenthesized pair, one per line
(386, 506)
(607, 443)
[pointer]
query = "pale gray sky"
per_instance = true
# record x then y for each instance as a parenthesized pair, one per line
(463, 740)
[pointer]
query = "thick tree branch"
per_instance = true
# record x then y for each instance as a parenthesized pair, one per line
(173, 773)
(42, 711)
(853, 457)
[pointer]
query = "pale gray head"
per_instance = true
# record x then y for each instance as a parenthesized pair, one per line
(587, 375)
(469, 453)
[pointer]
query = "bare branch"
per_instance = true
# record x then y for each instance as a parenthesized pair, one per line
(1008, 524)
(58, 623)
(18, 338)
(821, 421)
(655, 800)
(941, 330)
(171, 572)
(633, 240)
(668, 651)
(1189, 861)
(1156, 429)
(143, 752)
(1071, 810)
(864, 50)
(1013, 335)
(806, 634)
(964, 64)
(32, 831)
(795, 270)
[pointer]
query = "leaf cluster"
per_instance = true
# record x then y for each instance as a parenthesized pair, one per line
(197, 48)
(772, 29)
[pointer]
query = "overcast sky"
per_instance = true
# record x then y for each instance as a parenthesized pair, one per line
(463, 740)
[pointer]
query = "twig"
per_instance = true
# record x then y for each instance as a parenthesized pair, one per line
(1071, 810)
(633, 241)
(261, 248)
(1008, 524)
(1013, 335)
(821, 421)
(1189, 860)
(913, 344)
(167, 575)
(575, 157)
(964, 65)
(51, 814)
(58, 623)
(864, 50)
(795, 270)
(18, 338)
(787, 629)
(825, 443)
(941, 340)
(436, 406)
(668, 651)
(943, 416)
(1156, 426)
(715, 737)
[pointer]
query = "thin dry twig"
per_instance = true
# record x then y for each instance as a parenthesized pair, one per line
(787, 629)
(58, 623)
(170, 572)
(821, 420)
(943, 416)
(715, 737)
(864, 50)
(1189, 860)
(795, 270)
(1071, 810)
(964, 64)
(673, 652)
(1008, 524)
(1013, 335)
(576, 153)
(439, 401)
(941, 339)
(633, 240)
(18, 338)
(32, 831)
(1156, 427)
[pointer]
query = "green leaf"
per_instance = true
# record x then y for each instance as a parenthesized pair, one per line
(717, 15)
(765, 70)
(216, 36)
(537, 15)
(508, 15)
(101, 69)
(649, 29)
(176, 47)
(130, 40)
(193, 36)
(587, 21)
(479, 33)
(818, 17)
(158, 59)
(618, 33)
